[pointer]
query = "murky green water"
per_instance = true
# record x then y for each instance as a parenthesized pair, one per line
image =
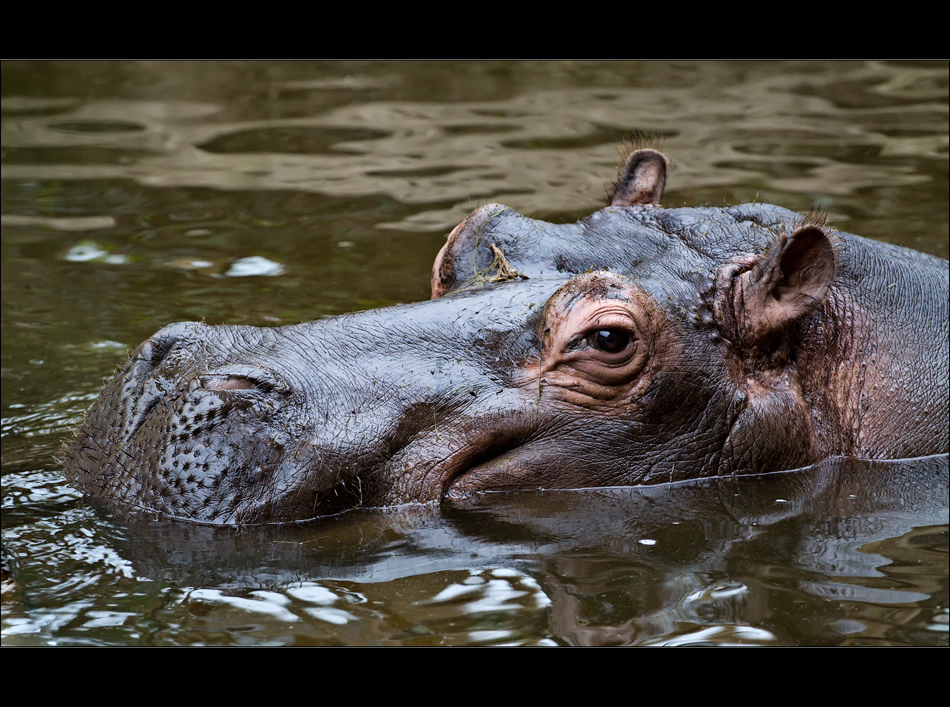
(135, 194)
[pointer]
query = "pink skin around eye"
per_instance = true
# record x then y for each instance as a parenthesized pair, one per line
(573, 367)
(584, 319)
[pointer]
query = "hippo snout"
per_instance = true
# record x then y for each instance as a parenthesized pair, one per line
(199, 430)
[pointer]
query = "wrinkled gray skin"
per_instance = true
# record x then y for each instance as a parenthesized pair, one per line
(639, 345)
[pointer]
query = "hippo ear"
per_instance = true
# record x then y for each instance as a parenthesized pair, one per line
(790, 282)
(642, 179)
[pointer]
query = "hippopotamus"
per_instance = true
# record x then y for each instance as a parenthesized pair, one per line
(639, 345)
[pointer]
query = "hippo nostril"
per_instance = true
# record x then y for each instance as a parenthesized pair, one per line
(158, 348)
(237, 378)
(234, 383)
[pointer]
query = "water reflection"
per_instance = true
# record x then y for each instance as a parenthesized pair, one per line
(840, 547)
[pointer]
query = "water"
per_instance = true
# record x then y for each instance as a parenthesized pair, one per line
(135, 194)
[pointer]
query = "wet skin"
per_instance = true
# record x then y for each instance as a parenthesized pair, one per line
(640, 345)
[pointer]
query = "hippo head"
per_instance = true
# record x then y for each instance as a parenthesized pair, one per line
(638, 345)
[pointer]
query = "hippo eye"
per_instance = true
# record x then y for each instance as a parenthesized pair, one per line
(610, 340)
(596, 335)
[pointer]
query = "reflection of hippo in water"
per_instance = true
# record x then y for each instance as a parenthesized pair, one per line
(639, 345)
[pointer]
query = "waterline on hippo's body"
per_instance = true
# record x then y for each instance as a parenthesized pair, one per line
(640, 345)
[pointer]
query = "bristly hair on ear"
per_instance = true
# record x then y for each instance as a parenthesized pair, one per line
(639, 140)
(821, 220)
(816, 217)
(635, 140)
(641, 181)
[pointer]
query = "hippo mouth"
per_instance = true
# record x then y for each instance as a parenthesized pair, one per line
(495, 474)
(497, 460)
